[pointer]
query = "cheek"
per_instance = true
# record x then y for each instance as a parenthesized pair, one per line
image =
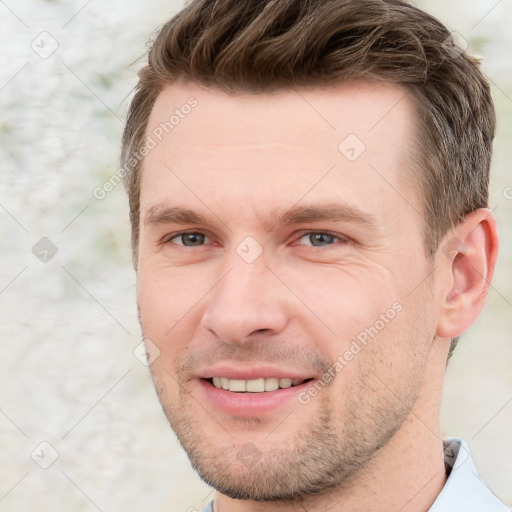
(165, 294)
(376, 328)
(350, 300)
(167, 299)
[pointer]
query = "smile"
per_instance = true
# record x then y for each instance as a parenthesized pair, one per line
(260, 385)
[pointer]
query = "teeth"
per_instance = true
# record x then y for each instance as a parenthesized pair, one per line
(236, 385)
(285, 383)
(271, 384)
(255, 385)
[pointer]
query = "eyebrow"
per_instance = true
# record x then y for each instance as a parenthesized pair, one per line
(336, 212)
(328, 212)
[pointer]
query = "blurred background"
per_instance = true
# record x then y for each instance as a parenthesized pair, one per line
(81, 428)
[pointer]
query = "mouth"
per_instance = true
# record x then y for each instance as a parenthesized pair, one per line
(257, 391)
(259, 385)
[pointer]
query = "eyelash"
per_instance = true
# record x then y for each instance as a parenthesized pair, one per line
(340, 238)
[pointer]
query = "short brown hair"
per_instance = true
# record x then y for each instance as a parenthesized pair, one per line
(260, 46)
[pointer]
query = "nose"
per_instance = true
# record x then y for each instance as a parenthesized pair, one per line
(249, 301)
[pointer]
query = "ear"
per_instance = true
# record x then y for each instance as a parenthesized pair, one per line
(470, 255)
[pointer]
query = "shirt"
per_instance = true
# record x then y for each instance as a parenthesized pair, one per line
(463, 490)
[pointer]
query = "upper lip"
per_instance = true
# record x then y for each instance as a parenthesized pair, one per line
(250, 373)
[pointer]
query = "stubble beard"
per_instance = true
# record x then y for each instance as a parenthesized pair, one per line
(325, 454)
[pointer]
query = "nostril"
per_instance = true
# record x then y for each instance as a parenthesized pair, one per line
(260, 331)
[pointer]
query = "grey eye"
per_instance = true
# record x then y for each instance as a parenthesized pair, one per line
(190, 239)
(319, 239)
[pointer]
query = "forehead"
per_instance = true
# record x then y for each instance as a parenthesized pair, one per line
(362, 106)
(260, 147)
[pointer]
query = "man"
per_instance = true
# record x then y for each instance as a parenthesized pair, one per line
(308, 187)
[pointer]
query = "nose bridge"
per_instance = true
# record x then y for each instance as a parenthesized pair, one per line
(244, 300)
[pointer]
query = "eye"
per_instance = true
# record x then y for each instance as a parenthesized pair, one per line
(188, 239)
(321, 239)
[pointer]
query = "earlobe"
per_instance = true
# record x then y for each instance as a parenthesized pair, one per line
(471, 254)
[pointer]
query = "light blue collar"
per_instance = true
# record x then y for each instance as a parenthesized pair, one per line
(464, 490)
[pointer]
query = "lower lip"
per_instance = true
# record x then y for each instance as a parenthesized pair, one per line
(249, 404)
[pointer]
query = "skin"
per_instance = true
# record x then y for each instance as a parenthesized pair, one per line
(371, 439)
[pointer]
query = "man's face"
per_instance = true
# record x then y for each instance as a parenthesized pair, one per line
(303, 249)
